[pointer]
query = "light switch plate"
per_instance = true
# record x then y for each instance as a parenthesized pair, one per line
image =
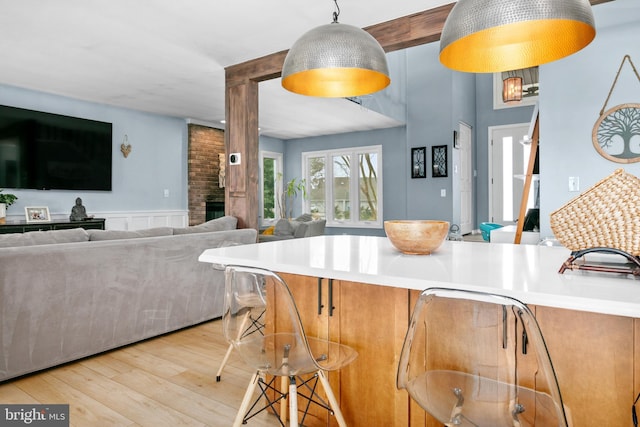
(574, 183)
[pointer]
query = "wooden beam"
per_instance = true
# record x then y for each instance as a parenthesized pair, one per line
(259, 69)
(412, 30)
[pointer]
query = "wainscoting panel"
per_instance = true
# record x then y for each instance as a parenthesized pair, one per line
(129, 221)
(143, 220)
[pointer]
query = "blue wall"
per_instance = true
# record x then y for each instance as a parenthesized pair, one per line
(274, 145)
(158, 159)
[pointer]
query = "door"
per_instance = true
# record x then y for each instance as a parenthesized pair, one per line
(466, 178)
(508, 160)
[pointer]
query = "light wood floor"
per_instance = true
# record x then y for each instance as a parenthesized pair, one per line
(166, 381)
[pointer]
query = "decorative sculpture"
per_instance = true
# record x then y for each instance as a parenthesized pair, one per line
(78, 212)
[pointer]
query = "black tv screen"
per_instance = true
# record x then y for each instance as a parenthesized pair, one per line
(53, 152)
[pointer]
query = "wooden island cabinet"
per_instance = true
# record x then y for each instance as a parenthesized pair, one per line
(359, 291)
(372, 320)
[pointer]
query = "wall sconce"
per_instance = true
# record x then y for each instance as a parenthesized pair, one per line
(512, 89)
(418, 159)
(439, 161)
(125, 147)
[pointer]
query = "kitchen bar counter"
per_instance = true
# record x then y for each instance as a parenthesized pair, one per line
(590, 320)
(525, 272)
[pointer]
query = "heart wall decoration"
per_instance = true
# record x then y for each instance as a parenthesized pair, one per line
(125, 147)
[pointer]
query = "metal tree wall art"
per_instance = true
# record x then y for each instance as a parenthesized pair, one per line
(616, 133)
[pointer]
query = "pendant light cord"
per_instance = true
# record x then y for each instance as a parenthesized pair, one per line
(336, 13)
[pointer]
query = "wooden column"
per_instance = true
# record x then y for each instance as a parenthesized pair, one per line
(241, 135)
(241, 191)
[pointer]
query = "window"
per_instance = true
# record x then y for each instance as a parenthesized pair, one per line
(345, 186)
(270, 186)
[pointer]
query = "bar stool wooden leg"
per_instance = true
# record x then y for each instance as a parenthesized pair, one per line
(224, 362)
(333, 402)
(242, 329)
(284, 403)
(293, 402)
(246, 401)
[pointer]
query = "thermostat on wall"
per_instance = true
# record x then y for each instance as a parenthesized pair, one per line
(234, 158)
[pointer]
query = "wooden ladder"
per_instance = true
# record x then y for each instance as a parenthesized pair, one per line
(527, 181)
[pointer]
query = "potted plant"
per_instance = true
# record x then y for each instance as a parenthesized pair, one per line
(290, 192)
(6, 200)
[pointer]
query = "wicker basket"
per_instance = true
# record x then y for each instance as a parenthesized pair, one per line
(607, 215)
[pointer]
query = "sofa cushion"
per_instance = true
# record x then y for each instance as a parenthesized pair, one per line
(96, 235)
(283, 228)
(299, 229)
(304, 218)
(33, 238)
(218, 224)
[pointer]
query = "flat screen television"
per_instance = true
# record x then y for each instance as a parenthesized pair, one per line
(47, 151)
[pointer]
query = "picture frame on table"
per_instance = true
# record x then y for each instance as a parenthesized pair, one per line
(418, 162)
(35, 214)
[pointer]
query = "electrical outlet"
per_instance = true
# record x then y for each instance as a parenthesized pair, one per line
(166, 192)
(443, 192)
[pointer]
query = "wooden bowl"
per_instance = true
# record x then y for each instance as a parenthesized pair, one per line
(416, 237)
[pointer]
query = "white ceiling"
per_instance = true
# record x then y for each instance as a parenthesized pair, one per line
(168, 57)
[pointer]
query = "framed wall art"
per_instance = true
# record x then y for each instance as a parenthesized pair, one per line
(439, 161)
(418, 162)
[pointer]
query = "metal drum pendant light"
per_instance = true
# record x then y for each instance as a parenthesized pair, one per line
(335, 61)
(489, 36)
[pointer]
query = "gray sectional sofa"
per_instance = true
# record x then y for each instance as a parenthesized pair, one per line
(69, 294)
(302, 226)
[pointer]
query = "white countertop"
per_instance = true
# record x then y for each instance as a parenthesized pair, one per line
(525, 272)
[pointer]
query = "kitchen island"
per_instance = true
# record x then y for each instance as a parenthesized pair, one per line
(589, 320)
